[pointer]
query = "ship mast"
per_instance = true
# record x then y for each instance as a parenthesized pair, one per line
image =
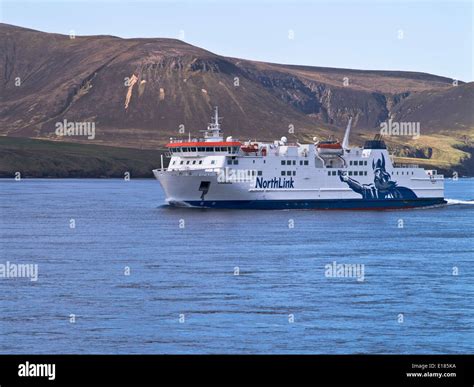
(213, 132)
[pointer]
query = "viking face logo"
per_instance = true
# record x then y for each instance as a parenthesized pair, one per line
(382, 179)
(382, 188)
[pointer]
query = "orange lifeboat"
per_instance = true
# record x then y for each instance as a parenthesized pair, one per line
(249, 148)
(330, 148)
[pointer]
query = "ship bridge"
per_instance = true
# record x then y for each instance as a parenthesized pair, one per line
(212, 142)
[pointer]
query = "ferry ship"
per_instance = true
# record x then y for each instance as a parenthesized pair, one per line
(211, 172)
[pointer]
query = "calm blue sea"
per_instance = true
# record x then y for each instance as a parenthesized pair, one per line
(182, 294)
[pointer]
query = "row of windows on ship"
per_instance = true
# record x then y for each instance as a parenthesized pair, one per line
(350, 173)
(358, 162)
(228, 149)
(293, 162)
(193, 162)
(362, 173)
(283, 162)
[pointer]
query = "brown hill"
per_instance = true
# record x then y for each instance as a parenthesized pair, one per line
(171, 83)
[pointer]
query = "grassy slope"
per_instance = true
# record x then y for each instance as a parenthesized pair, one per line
(451, 153)
(39, 158)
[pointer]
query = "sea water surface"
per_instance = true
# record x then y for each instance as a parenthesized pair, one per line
(229, 281)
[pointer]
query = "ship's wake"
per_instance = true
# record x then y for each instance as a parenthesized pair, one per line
(451, 202)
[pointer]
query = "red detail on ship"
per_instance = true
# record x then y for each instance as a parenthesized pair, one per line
(332, 145)
(202, 144)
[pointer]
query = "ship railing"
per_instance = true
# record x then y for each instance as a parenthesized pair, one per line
(433, 174)
(398, 165)
(179, 140)
(195, 139)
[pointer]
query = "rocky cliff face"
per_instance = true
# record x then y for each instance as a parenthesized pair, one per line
(139, 92)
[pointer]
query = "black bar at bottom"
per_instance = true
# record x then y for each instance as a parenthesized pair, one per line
(228, 369)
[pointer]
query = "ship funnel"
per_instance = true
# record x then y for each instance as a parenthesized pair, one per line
(345, 142)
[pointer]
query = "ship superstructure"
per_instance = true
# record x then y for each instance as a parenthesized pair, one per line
(213, 172)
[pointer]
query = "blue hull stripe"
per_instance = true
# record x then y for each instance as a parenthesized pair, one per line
(332, 204)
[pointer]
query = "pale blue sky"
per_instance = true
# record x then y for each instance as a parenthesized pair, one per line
(437, 35)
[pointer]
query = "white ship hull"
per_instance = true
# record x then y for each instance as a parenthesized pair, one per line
(182, 189)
